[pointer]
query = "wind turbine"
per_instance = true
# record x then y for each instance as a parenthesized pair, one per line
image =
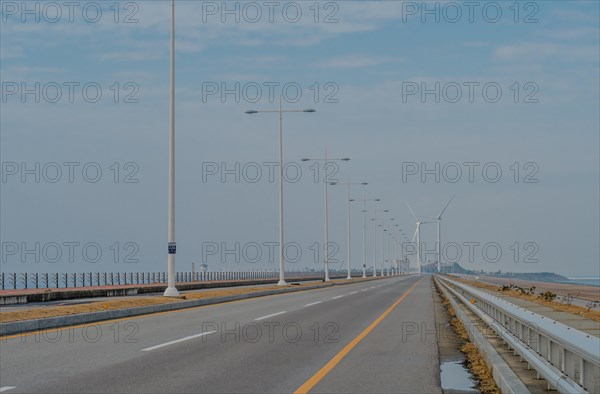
(439, 235)
(417, 235)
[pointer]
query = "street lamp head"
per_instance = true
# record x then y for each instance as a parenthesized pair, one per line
(309, 110)
(346, 159)
(305, 159)
(351, 199)
(251, 111)
(364, 183)
(333, 183)
(378, 199)
(386, 210)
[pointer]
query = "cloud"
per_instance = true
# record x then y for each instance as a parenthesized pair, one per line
(350, 61)
(539, 51)
(569, 34)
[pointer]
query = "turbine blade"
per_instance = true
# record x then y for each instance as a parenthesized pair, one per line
(411, 211)
(415, 235)
(444, 210)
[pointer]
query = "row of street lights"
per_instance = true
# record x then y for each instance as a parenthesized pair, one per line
(171, 290)
(281, 111)
(326, 182)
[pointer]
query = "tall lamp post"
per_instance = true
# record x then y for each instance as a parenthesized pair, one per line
(393, 250)
(280, 111)
(383, 232)
(349, 184)
(326, 162)
(398, 251)
(374, 219)
(171, 290)
(364, 233)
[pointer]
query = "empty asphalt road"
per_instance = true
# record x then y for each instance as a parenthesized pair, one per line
(355, 338)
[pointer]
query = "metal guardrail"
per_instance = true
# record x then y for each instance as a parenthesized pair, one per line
(567, 358)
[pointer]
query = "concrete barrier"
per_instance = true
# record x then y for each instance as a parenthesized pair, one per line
(128, 290)
(18, 327)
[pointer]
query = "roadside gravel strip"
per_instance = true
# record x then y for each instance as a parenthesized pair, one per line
(16, 327)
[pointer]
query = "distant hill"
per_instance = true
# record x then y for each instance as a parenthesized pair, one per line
(454, 269)
(532, 276)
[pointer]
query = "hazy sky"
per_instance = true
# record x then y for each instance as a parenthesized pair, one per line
(460, 92)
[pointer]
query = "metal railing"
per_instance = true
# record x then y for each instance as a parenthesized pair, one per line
(567, 358)
(24, 280)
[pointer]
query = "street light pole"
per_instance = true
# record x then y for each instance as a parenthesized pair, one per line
(326, 163)
(374, 219)
(349, 218)
(280, 111)
(349, 184)
(364, 235)
(281, 245)
(382, 242)
(374, 247)
(171, 290)
(326, 224)
(382, 248)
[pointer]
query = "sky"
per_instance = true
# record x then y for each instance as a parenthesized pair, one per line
(495, 103)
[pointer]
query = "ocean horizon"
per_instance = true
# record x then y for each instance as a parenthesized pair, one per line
(585, 281)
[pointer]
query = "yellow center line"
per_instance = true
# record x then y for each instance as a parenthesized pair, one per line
(316, 378)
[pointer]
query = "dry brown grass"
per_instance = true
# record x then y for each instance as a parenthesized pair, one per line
(475, 361)
(555, 305)
(45, 312)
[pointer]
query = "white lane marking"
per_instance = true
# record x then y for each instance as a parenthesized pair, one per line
(177, 341)
(6, 388)
(313, 303)
(364, 289)
(354, 292)
(271, 315)
(336, 297)
(372, 287)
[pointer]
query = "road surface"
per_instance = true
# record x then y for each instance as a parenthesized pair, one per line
(354, 338)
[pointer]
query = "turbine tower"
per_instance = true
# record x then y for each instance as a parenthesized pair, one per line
(439, 235)
(417, 235)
